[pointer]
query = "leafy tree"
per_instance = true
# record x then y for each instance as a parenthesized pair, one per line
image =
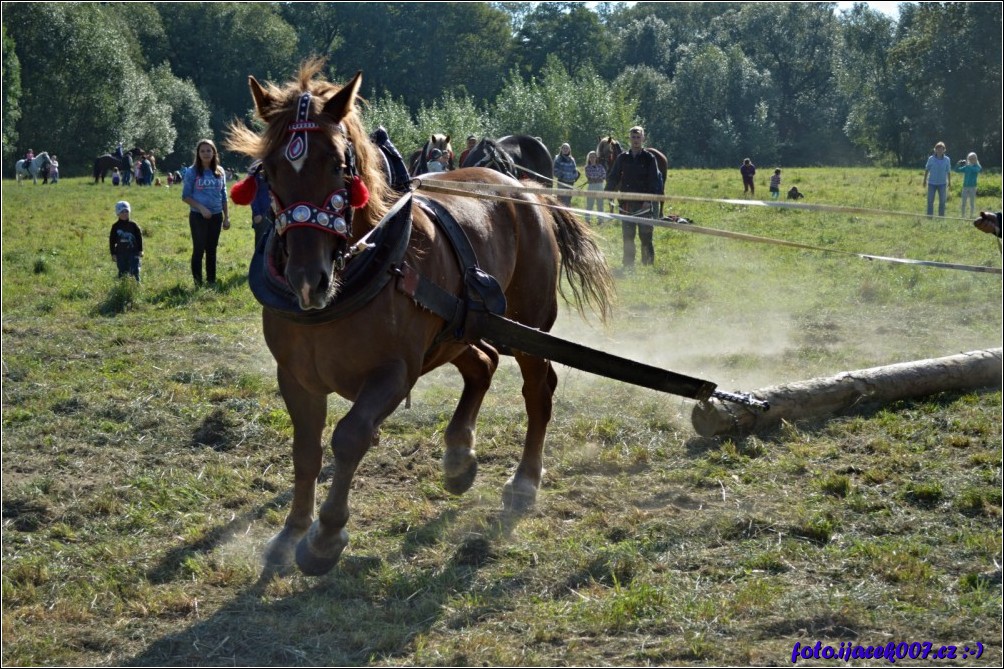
(567, 31)
(217, 45)
(395, 116)
(867, 81)
(12, 98)
(189, 115)
(653, 91)
(74, 75)
(795, 42)
(417, 50)
(949, 57)
(141, 31)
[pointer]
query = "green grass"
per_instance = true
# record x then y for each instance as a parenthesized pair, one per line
(146, 458)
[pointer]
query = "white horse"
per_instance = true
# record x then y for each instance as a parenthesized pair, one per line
(32, 169)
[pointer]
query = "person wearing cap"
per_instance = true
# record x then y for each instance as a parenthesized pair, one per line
(204, 190)
(125, 241)
(435, 163)
(472, 141)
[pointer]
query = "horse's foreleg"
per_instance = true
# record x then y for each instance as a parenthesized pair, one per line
(307, 411)
(539, 383)
(320, 549)
(477, 365)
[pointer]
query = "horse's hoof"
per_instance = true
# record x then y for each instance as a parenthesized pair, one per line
(519, 495)
(459, 472)
(278, 557)
(314, 564)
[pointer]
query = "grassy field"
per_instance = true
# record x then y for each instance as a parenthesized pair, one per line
(146, 458)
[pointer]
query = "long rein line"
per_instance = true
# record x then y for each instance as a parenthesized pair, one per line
(497, 192)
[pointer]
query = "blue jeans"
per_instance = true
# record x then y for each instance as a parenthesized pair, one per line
(128, 263)
(942, 191)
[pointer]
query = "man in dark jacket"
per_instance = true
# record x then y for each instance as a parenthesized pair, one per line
(636, 171)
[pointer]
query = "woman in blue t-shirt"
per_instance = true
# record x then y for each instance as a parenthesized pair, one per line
(205, 191)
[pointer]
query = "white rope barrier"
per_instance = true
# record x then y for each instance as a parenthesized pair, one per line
(499, 192)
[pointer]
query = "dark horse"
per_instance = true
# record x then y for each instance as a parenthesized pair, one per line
(316, 156)
(106, 162)
(521, 156)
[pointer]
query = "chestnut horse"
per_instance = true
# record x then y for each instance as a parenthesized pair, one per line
(317, 159)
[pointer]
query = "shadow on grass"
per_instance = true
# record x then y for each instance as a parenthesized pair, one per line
(180, 295)
(366, 609)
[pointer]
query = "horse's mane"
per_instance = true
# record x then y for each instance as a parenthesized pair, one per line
(283, 112)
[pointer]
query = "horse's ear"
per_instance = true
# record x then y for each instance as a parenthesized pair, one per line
(262, 100)
(341, 103)
(447, 139)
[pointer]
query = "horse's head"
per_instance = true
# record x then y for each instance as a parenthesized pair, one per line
(321, 169)
(487, 153)
(441, 142)
(607, 150)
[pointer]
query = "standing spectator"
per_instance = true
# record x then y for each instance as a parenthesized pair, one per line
(970, 168)
(596, 174)
(472, 141)
(938, 178)
(54, 169)
(435, 163)
(565, 171)
(205, 191)
(775, 184)
(748, 171)
(116, 177)
(137, 171)
(146, 170)
(125, 241)
(127, 169)
(253, 190)
(636, 171)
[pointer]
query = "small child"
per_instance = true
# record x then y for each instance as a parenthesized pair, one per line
(435, 163)
(116, 177)
(970, 168)
(775, 184)
(125, 241)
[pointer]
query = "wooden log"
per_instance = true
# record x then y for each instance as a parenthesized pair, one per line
(821, 397)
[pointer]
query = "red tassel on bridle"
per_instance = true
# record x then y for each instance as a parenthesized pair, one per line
(359, 195)
(244, 191)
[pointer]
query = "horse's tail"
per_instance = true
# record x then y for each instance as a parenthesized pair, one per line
(583, 265)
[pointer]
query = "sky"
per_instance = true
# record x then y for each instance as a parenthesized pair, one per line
(889, 8)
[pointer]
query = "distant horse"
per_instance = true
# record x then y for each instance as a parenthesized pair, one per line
(608, 148)
(106, 162)
(521, 156)
(370, 343)
(23, 169)
(419, 161)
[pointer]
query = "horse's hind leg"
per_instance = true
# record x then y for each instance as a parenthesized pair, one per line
(477, 365)
(539, 383)
(307, 411)
(320, 549)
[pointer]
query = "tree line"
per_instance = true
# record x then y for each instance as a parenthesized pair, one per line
(784, 83)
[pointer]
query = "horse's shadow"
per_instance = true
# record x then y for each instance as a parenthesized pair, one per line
(364, 609)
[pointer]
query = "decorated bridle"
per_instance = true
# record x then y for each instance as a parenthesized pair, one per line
(335, 215)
